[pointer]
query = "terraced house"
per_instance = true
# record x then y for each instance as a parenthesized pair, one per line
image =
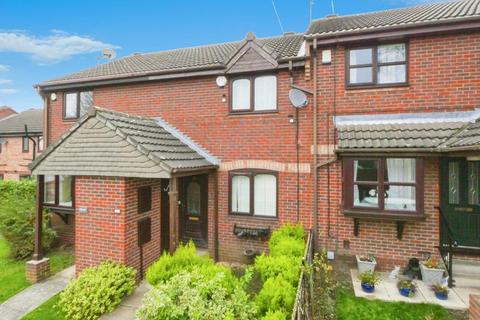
(204, 144)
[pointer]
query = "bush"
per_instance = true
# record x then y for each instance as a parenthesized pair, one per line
(323, 301)
(287, 231)
(97, 290)
(285, 266)
(185, 258)
(192, 295)
(289, 240)
(277, 294)
(275, 315)
(17, 218)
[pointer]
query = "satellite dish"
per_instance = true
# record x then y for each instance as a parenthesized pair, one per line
(108, 54)
(221, 81)
(298, 98)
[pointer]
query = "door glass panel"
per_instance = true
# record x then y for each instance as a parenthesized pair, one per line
(453, 182)
(193, 198)
(400, 198)
(473, 183)
(365, 196)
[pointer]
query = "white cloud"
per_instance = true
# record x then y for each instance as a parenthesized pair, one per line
(4, 68)
(8, 91)
(56, 47)
(5, 81)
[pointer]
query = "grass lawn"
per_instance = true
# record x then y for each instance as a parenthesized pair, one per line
(350, 307)
(47, 311)
(12, 275)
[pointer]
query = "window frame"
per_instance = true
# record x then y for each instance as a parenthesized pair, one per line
(64, 111)
(251, 78)
(375, 66)
(348, 188)
(251, 173)
(56, 202)
(25, 150)
(141, 199)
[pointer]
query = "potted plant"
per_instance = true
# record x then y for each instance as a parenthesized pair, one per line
(365, 263)
(441, 291)
(407, 288)
(432, 273)
(368, 280)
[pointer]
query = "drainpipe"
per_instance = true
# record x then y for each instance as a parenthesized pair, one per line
(315, 147)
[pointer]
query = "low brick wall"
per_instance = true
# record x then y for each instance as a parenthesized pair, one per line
(474, 307)
(37, 270)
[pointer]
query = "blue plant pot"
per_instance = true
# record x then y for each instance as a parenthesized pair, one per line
(368, 287)
(441, 295)
(405, 292)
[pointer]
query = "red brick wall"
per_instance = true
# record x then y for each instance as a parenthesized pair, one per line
(474, 307)
(6, 111)
(14, 162)
(444, 75)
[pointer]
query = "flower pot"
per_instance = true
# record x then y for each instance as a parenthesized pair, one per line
(364, 266)
(367, 287)
(431, 275)
(441, 295)
(406, 292)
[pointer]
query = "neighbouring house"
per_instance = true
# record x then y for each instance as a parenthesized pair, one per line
(204, 144)
(17, 150)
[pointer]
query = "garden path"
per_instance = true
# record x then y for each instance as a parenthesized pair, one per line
(127, 308)
(35, 295)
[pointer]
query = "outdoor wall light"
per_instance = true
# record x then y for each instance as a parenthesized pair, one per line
(83, 210)
(116, 211)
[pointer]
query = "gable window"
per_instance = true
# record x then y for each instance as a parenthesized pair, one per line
(392, 185)
(381, 65)
(58, 191)
(253, 193)
(144, 197)
(25, 144)
(76, 104)
(254, 94)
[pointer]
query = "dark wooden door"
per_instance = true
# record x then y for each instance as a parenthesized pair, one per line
(193, 210)
(165, 216)
(460, 181)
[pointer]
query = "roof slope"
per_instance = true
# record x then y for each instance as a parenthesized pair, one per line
(179, 60)
(442, 12)
(15, 124)
(438, 131)
(108, 143)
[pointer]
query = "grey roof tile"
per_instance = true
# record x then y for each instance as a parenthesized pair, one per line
(442, 12)
(170, 61)
(15, 124)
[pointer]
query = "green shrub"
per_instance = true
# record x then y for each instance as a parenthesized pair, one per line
(195, 296)
(323, 301)
(289, 240)
(287, 231)
(185, 258)
(276, 294)
(275, 315)
(17, 218)
(286, 266)
(97, 290)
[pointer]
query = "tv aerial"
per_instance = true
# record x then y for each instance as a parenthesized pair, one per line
(107, 54)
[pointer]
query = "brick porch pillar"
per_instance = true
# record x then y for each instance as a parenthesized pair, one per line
(39, 267)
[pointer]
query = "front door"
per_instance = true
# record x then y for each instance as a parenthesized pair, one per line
(193, 210)
(461, 200)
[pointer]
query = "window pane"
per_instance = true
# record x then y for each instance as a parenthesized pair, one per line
(25, 143)
(266, 93)
(360, 56)
(40, 143)
(241, 94)
(453, 182)
(392, 74)
(265, 195)
(365, 196)
(49, 187)
(365, 170)
(400, 198)
(400, 170)
(71, 105)
(65, 191)
(473, 183)
(193, 198)
(241, 194)
(391, 53)
(361, 75)
(86, 101)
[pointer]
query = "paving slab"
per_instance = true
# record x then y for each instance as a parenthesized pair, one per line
(35, 295)
(127, 308)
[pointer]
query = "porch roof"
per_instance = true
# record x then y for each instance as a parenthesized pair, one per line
(108, 143)
(432, 132)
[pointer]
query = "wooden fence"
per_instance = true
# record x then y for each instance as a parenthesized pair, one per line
(301, 308)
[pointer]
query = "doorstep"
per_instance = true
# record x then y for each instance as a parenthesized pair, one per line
(387, 290)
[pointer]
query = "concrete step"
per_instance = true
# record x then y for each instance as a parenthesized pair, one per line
(466, 273)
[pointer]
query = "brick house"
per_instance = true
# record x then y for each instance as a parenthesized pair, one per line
(203, 143)
(16, 150)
